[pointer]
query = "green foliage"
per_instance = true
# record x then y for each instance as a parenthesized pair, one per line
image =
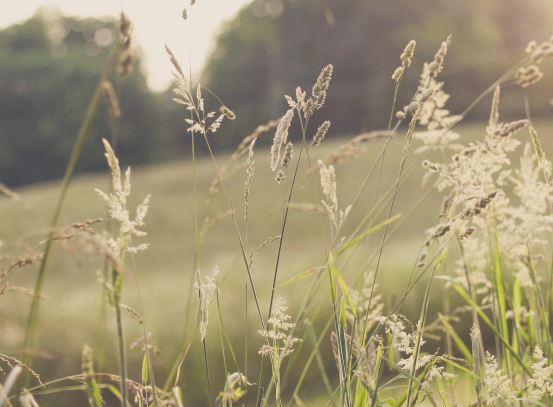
(49, 69)
(272, 45)
(381, 357)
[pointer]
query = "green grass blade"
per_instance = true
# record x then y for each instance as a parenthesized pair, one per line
(362, 236)
(464, 295)
(500, 293)
(90, 114)
(467, 354)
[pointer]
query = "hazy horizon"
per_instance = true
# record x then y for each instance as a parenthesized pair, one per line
(154, 25)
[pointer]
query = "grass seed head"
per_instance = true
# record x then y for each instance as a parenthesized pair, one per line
(320, 134)
(281, 136)
(288, 154)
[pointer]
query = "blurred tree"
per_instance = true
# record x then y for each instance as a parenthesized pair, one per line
(49, 67)
(50, 64)
(272, 45)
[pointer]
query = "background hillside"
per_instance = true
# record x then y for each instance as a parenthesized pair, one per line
(159, 282)
(132, 306)
(50, 63)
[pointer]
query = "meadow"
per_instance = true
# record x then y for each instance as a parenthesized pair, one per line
(408, 266)
(73, 291)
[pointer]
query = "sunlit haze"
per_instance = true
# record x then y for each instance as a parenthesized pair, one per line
(155, 24)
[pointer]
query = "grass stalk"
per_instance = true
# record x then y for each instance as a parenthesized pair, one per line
(122, 354)
(420, 330)
(82, 135)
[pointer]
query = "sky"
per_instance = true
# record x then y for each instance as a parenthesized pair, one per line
(155, 23)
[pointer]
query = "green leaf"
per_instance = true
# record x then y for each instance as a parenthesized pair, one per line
(145, 368)
(298, 277)
(456, 339)
(464, 295)
(177, 392)
(114, 391)
(457, 366)
(361, 397)
(517, 305)
(500, 291)
(360, 237)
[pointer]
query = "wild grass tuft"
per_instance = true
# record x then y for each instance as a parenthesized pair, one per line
(488, 253)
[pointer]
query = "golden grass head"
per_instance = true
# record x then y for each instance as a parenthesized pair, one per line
(528, 75)
(288, 154)
(406, 58)
(280, 137)
(320, 134)
(321, 86)
(207, 289)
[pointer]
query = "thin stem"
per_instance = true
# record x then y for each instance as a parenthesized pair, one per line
(420, 330)
(122, 354)
(82, 135)
(396, 188)
(282, 230)
(238, 234)
(394, 101)
(206, 366)
(382, 155)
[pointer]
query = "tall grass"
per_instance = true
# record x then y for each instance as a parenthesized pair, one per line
(487, 251)
(80, 140)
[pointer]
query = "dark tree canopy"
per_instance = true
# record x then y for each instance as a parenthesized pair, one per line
(49, 67)
(272, 45)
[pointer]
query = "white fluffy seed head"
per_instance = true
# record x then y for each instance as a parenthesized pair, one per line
(288, 154)
(528, 76)
(321, 86)
(321, 133)
(281, 136)
(280, 177)
(207, 288)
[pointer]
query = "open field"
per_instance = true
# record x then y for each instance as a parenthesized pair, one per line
(159, 279)
(331, 203)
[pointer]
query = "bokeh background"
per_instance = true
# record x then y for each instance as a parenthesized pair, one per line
(249, 53)
(50, 64)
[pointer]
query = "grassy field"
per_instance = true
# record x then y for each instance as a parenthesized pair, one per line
(158, 282)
